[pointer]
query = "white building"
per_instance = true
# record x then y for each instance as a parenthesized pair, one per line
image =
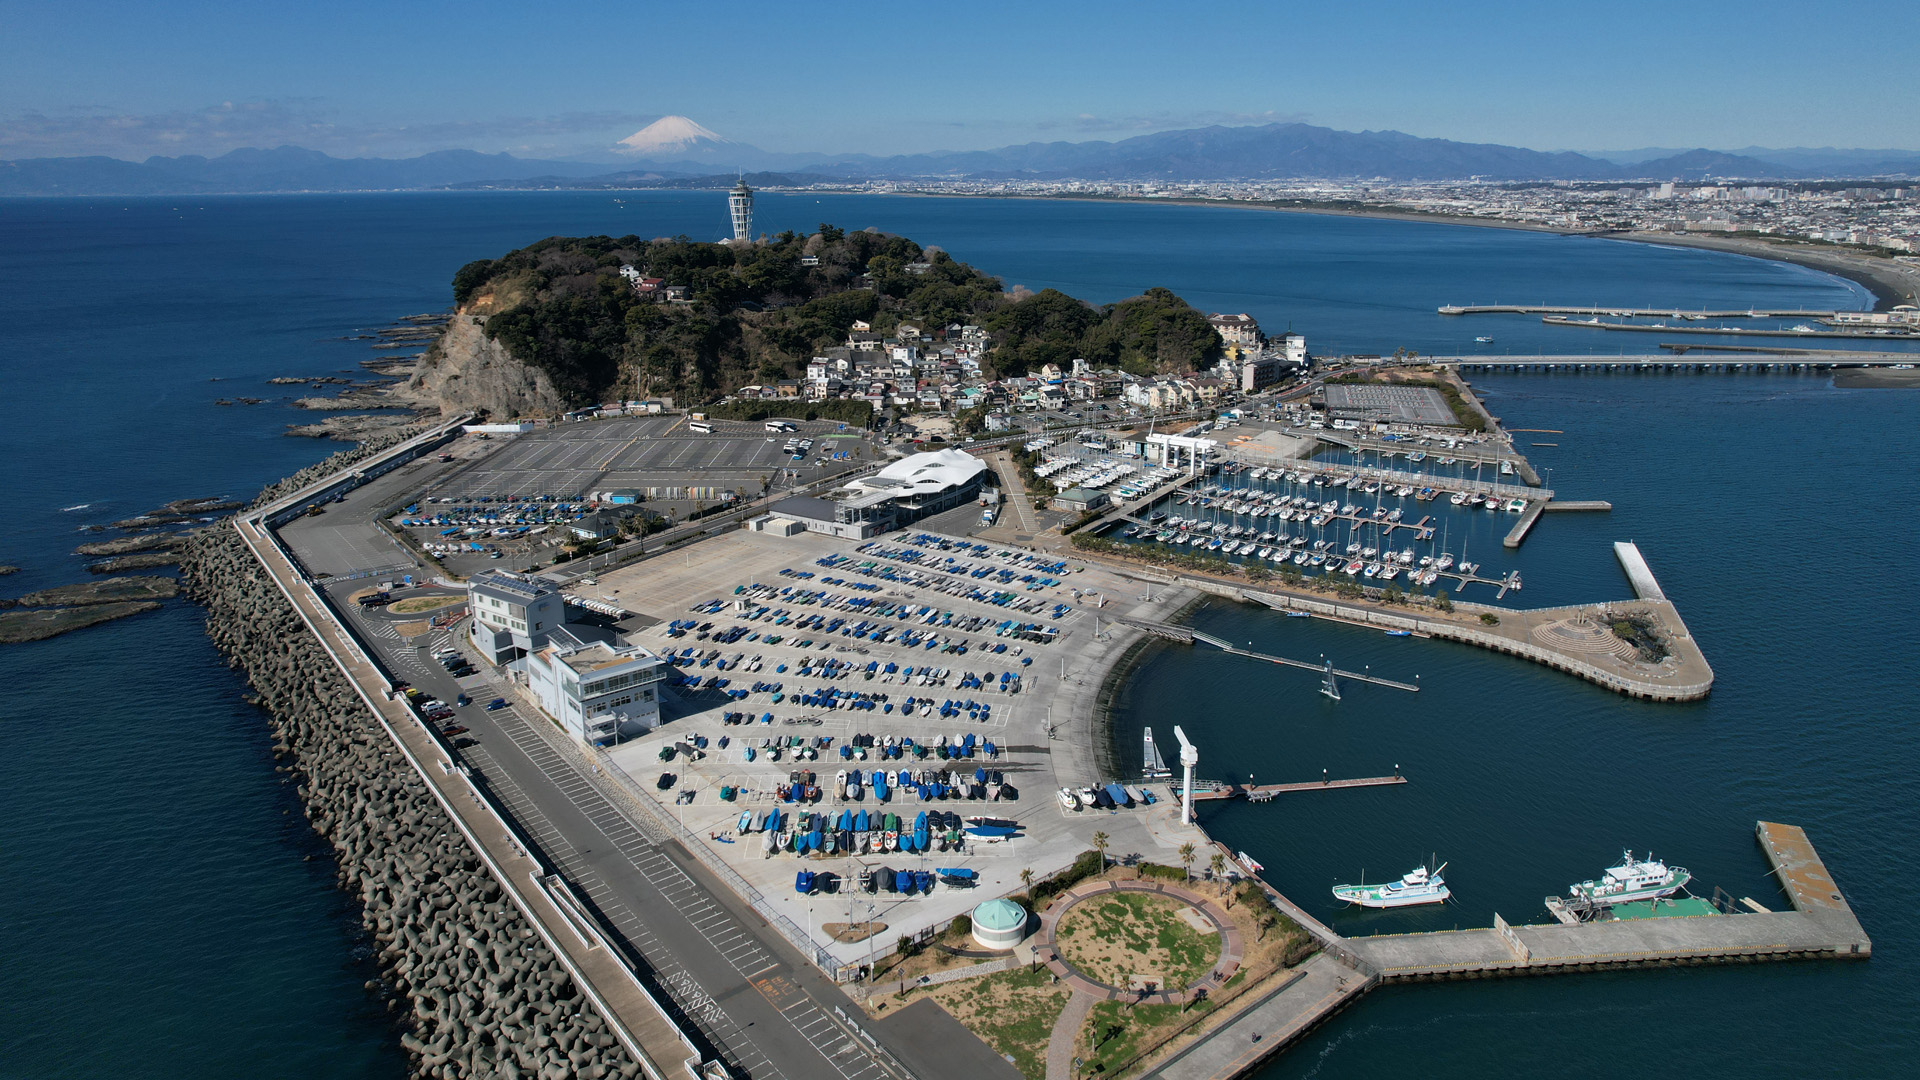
(905, 491)
(740, 208)
(512, 614)
(597, 690)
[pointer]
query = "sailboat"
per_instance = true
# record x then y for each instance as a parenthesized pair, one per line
(1328, 686)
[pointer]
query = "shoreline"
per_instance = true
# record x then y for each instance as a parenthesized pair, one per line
(1889, 285)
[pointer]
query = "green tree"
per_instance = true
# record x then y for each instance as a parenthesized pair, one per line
(1442, 601)
(1100, 842)
(1217, 866)
(1186, 859)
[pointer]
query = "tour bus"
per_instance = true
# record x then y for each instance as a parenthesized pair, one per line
(700, 427)
(779, 425)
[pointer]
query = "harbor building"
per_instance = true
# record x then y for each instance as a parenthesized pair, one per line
(740, 208)
(903, 492)
(597, 690)
(512, 614)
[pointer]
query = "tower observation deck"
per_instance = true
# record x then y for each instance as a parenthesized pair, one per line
(740, 206)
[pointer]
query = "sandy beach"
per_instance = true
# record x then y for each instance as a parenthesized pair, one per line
(1890, 282)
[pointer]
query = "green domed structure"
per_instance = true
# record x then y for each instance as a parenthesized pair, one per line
(999, 924)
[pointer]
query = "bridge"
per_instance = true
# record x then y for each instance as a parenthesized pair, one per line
(1673, 363)
(1188, 635)
(1633, 312)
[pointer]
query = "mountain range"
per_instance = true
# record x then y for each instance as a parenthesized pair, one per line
(675, 151)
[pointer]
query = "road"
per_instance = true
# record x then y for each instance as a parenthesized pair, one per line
(753, 998)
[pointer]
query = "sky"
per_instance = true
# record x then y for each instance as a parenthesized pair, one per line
(400, 78)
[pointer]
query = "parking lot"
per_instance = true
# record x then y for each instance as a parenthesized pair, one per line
(870, 637)
(659, 452)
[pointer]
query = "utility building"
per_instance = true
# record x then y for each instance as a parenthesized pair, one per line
(512, 614)
(597, 690)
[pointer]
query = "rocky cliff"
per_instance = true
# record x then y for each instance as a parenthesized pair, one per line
(466, 369)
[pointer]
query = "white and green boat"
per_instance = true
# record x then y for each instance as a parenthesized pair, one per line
(1420, 886)
(1632, 880)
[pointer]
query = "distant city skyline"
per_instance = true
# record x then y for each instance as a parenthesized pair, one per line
(354, 79)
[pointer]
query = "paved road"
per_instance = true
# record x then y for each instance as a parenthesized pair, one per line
(755, 1000)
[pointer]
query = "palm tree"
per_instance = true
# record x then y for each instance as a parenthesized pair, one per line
(1100, 842)
(1186, 859)
(1217, 866)
(1026, 881)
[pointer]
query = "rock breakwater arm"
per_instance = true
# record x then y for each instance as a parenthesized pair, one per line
(477, 988)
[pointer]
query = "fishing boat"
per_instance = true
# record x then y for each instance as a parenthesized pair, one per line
(1484, 339)
(1418, 886)
(1633, 879)
(1399, 633)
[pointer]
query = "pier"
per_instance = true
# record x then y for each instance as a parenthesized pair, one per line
(1871, 335)
(1645, 585)
(1525, 524)
(1821, 927)
(1671, 363)
(1189, 636)
(1632, 313)
(1265, 792)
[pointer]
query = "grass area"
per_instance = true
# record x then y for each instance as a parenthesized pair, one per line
(1013, 1011)
(1116, 1032)
(1121, 937)
(418, 605)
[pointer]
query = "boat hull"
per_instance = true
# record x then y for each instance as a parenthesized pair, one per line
(1373, 896)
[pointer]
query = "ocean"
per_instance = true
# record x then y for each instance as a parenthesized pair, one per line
(166, 912)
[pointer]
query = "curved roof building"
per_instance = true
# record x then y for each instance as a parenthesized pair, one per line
(999, 924)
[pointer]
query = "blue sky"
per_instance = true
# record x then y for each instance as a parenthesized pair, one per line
(398, 78)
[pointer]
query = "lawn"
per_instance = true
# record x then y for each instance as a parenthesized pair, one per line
(1121, 937)
(1013, 1011)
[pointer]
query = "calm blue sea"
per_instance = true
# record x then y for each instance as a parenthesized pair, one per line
(165, 912)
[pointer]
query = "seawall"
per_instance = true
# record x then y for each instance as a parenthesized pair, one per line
(475, 989)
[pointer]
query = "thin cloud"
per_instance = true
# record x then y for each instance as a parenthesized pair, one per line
(230, 125)
(1090, 123)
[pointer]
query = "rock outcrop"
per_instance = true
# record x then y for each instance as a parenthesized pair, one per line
(466, 369)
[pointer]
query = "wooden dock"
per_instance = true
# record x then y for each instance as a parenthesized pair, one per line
(1265, 792)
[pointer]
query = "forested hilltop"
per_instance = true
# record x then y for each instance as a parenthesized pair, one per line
(756, 313)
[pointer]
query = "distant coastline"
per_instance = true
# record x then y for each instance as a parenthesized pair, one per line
(1890, 283)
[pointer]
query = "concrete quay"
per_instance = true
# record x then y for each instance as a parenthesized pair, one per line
(1821, 927)
(644, 1028)
(1573, 639)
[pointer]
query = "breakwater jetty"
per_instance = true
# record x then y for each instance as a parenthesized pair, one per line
(482, 968)
(1794, 360)
(1820, 926)
(1577, 639)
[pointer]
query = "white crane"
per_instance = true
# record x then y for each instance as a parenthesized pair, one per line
(1189, 757)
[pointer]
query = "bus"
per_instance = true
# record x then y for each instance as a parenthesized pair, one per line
(700, 427)
(779, 425)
